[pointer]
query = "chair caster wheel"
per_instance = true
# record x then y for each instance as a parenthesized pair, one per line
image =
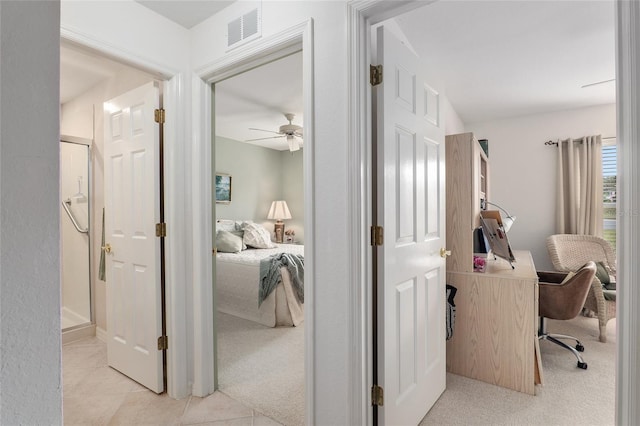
(579, 347)
(582, 365)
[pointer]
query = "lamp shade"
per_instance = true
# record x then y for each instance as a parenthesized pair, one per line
(279, 210)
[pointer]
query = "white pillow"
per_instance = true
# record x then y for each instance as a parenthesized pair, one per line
(228, 242)
(225, 225)
(256, 236)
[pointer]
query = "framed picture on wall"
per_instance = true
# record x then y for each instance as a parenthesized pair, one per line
(223, 188)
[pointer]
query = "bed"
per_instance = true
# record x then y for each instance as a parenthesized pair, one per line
(237, 281)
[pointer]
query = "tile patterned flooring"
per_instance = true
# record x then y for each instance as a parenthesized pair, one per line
(95, 394)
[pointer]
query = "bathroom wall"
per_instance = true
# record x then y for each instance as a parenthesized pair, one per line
(83, 117)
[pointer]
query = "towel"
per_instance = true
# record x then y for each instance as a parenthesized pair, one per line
(270, 274)
(102, 276)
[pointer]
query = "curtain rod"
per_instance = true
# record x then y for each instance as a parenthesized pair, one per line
(556, 143)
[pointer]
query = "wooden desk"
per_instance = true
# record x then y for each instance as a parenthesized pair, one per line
(495, 336)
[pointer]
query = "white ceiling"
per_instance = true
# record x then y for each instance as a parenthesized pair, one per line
(495, 59)
(511, 58)
(259, 99)
(187, 13)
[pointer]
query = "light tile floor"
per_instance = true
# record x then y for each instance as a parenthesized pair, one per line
(95, 394)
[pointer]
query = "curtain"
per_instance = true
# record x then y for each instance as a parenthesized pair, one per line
(579, 192)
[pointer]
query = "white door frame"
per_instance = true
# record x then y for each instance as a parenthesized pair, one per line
(246, 57)
(175, 271)
(361, 14)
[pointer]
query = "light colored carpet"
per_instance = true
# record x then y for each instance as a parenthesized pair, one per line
(569, 396)
(262, 367)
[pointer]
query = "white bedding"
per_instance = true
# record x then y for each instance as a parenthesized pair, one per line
(237, 281)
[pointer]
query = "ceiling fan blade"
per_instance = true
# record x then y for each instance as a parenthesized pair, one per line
(261, 139)
(298, 134)
(263, 130)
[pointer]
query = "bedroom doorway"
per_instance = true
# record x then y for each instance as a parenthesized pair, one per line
(259, 176)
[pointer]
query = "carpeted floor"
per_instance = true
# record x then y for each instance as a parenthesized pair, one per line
(262, 367)
(569, 395)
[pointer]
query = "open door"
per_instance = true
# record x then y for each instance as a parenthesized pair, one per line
(133, 258)
(410, 203)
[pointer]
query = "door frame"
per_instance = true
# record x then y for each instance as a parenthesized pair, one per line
(259, 52)
(173, 82)
(361, 15)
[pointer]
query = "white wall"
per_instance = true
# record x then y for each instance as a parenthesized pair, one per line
(77, 119)
(453, 124)
(30, 376)
(330, 294)
(132, 33)
(523, 168)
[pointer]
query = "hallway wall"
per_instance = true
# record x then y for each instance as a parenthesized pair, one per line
(30, 375)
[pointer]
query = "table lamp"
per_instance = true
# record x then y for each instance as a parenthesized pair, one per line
(278, 211)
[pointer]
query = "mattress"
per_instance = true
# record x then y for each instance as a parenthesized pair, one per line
(237, 285)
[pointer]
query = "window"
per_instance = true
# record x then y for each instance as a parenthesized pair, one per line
(609, 196)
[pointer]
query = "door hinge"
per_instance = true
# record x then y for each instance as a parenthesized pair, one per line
(163, 343)
(377, 395)
(159, 115)
(377, 235)
(161, 229)
(375, 74)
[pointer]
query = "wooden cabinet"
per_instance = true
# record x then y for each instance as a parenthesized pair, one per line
(467, 190)
(495, 336)
(495, 333)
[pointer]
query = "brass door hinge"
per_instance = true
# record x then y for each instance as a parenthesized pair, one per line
(377, 395)
(159, 115)
(161, 229)
(377, 235)
(375, 74)
(163, 343)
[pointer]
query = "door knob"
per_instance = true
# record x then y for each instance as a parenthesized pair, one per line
(444, 252)
(107, 248)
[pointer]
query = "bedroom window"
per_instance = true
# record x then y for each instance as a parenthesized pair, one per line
(609, 196)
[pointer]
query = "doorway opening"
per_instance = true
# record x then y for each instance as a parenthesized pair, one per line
(499, 152)
(88, 79)
(260, 214)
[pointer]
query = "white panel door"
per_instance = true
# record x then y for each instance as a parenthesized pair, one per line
(410, 207)
(131, 185)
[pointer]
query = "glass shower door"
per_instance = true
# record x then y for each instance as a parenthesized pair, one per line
(75, 233)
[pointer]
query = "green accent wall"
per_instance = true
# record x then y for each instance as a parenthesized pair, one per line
(258, 177)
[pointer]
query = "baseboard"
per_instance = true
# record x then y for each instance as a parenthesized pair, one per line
(101, 334)
(78, 333)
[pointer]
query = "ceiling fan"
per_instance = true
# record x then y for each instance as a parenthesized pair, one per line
(292, 132)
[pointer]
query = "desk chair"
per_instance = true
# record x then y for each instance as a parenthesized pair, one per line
(568, 252)
(562, 296)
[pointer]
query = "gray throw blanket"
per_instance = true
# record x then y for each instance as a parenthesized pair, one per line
(270, 274)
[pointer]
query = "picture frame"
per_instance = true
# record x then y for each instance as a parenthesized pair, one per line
(223, 188)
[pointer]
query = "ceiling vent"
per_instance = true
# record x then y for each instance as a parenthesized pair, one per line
(243, 29)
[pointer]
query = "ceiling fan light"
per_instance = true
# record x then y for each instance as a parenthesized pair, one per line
(293, 144)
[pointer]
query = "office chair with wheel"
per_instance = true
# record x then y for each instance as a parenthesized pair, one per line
(562, 296)
(568, 252)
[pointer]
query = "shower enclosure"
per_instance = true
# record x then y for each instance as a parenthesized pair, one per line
(75, 232)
